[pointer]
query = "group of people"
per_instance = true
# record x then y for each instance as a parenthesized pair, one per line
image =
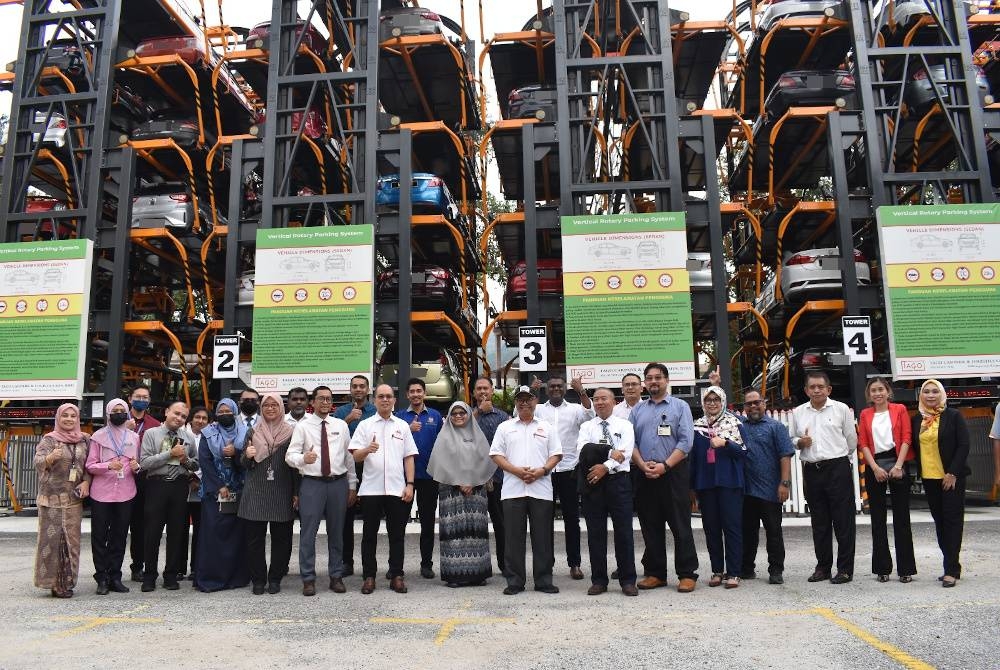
(252, 468)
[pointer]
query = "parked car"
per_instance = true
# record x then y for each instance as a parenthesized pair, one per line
(175, 124)
(428, 191)
(432, 288)
(66, 56)
(435, 365)
(315, 124)
(167, 205)
(782, 9)
(919, 95)
(244, 294)
(811, 271)
(53, 131)
(900, 15)
(550, 282)
(804, 88)
(46, 228)
(699, 267)
(533, 101)
(408, 21)
(825, 357)
(260, 35)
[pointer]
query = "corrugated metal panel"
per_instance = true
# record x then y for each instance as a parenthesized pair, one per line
(20, 460)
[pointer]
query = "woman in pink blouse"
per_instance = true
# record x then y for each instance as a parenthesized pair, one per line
(112, 463)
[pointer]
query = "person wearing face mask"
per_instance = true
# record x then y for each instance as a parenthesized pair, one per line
(942, 456)
(200, 417)
(140, 421)
(112, 463)
(249, 408)
(221, 562)
(716, 459)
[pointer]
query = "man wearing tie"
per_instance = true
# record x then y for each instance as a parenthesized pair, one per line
(385, 445)
(249, 408)
(318, 450)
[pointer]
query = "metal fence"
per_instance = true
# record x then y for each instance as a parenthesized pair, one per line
(20, 465)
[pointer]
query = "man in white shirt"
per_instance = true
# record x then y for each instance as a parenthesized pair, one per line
(298, 399)
(318, 450)
(385, 445)
(527, 449)
(566, 418)
(823, 430)
(606, 490)
(249, 408)
(631, 395)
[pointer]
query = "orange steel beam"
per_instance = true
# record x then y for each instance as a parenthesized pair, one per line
(200, 348)
(7, 478)
(802, 206)
(441, 127)
(150, 65)
(63, 172)
(484, 242)
(740, 208)
(440, 220)
(158, 326)
(437, 317)
(816, 27)
(512, 315)
(792, 113)
(145, 149)
(744, 308)
(146, 234)
(835, 306)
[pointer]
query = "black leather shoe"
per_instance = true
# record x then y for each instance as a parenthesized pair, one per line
(512, 590)
(427, 572)
(841, 578)
(337, 585)
(819, 576)
(171, 586)
(575, 572)
(102, 588)
(118, 587)
(549, 588)
(137, 576)
(258, 589)
(749, 574)
(274, 587)
(630, 590)
(148, 586)
(597, 589)
(776, 579)
(348, 569)
(614, 574)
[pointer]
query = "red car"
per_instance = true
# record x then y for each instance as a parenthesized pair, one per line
(315, 127)
(260, 35)
(550, 282)
(45, 230)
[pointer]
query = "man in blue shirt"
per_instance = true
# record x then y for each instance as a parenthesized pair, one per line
(425, 424)
(766, 472)
(664, 432)
(353, 413)
(489, 417)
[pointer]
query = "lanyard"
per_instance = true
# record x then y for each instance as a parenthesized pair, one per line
(119, 447)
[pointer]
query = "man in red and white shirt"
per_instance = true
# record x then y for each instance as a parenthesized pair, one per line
(527, 449)
(385, 445)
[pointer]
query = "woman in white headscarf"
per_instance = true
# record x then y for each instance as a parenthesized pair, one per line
(717, 479)
(461, 465)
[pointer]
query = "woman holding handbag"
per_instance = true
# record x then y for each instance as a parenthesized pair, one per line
(221, 561)
(884, 435)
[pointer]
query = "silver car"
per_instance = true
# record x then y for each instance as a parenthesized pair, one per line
(55, 130)
(699, 267)
(818, 270)
(782, 9)
(167, 205)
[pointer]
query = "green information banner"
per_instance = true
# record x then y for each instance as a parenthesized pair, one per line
(627, 299)
(313, 316)
(939, 268)
(44, 303)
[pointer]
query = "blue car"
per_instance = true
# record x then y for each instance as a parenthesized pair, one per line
(428, 192)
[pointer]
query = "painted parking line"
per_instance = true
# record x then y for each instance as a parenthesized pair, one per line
(445, 626)
(893, 652)
(91, 622)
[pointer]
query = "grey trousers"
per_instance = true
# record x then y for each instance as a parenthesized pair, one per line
(320, 500)
(516, 512)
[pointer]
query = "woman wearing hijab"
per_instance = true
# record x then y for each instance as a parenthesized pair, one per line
(63, 483)
(717, 479)
(112, 463)
(221, 563)
(942, 450)
(461, 465)
(268, 496)
(884, 435)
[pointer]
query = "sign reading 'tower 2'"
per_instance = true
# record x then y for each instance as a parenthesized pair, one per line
(626, 296)
(939, 267)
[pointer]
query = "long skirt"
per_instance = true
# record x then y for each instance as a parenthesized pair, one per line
(57, 557)
(221, 562)
(465, 535)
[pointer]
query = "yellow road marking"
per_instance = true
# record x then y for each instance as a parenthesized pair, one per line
(446, 626)
(893, 652)
(90, 622)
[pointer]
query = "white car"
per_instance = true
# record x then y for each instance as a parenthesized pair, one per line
(244, 295)
(55, 130)
(817, 271)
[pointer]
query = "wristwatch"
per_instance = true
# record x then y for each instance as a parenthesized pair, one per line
(786, 483)
(546, 470)
(666, 467)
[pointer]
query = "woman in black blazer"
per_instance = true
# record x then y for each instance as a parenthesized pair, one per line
(942, 451)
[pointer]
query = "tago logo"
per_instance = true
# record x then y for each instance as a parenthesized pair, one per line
(912, 366)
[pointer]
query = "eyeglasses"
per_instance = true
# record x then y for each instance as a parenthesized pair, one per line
(712, 400)
(323, 398)
(459, 412)
(751, 403)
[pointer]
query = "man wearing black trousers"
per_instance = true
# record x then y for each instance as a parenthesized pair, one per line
(353, 413)
(489, 417)
(766, 471)
(142, 421)
(823, 430)
(168, 458)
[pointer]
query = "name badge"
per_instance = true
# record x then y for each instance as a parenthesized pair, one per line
(430, 420)
(397, 435)
(270, 474)
(540, 434)
(663, 431)
(121, 473)
(72, 475)
(603, 441)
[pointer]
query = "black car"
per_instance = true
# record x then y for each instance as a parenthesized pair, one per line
(811, 88)
(533, 101)
(173, 124)
(66, 56)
